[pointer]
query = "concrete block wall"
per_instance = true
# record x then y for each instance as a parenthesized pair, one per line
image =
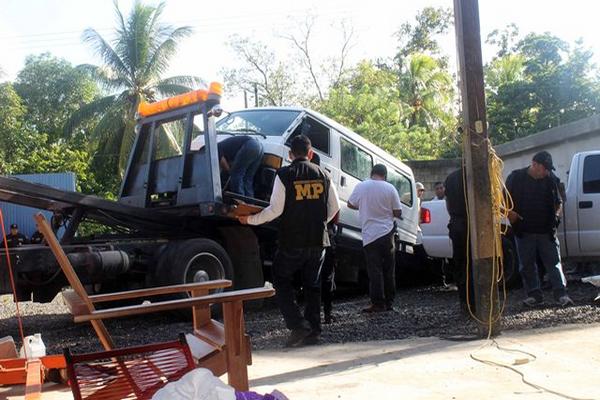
(428, 172)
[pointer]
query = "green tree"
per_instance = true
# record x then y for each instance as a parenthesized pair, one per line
(504, 70)
(52, 89)
(542, 84)
(72, 156)
(367, 102)
(426, 93)
(133, 66)
(16, 141)
(421, 37)
(505, 39)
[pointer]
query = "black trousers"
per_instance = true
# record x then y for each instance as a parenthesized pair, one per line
(328, 279)
(308, 261)
(381, 266)
(458, 235)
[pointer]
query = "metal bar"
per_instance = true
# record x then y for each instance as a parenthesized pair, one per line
(212, 156)
(132, 157)
(187, 141)
(149, 163)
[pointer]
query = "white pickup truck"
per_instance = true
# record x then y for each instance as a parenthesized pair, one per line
(579, 233)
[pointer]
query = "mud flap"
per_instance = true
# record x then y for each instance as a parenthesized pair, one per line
(243, 248)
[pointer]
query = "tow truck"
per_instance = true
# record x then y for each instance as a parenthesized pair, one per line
(171, 224)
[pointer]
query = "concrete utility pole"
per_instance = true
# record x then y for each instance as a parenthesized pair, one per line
(468, 38)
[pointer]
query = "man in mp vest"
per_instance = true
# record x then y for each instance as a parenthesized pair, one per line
(305, 198)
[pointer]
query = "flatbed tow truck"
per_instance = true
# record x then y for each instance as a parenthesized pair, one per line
(172, 222)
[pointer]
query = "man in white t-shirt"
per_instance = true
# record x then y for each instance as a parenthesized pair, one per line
(377, 202)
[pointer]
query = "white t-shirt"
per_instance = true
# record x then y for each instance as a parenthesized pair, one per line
(376, 201)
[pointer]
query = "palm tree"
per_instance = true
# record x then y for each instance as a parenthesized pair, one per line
(426, 92)
(132, 69)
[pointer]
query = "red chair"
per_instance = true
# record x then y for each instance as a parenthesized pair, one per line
(130, 373)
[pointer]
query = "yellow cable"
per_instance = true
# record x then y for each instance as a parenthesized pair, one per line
(501, 205)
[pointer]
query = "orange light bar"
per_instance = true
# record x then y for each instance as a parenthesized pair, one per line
(196, 96)
(216, 88)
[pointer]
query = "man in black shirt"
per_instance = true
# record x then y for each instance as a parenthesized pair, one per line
(458, 228)
(306, 199)
(37, 237)
(16, 238)
(534, 219)
(240, 156)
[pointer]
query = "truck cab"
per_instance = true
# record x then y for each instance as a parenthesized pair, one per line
(580, 233)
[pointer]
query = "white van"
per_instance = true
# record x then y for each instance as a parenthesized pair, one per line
(345, 155)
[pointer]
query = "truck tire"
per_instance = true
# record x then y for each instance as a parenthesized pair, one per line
(193, 260)
(512, 278)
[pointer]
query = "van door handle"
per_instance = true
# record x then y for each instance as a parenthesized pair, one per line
(586, 204)
(343, 181)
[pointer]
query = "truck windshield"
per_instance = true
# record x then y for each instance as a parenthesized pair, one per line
(264, 122)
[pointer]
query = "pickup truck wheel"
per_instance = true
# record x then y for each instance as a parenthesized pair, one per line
(193, 260)
(512, 278)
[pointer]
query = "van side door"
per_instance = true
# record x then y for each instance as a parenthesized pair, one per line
(404, 184)
(355, 166)
(588, 205)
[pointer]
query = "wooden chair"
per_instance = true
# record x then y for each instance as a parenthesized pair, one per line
(222, 348)
(131, 373)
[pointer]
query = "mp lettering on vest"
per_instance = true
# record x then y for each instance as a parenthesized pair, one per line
(308, 190)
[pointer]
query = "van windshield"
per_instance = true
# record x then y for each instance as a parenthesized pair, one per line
(264, 122)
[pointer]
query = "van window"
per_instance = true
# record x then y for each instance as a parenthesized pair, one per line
(355, 161)
(316, 132)
(402, 185)
(591, 174)
(264, 122)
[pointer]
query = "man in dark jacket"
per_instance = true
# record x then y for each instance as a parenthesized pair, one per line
(16, 238)
(306, 199)
(534, 219)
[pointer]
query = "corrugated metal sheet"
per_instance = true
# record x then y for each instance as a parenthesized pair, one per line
(23, 216)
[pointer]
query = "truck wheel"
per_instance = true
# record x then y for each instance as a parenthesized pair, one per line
(199, 260)
(193, 260)
(512, 278)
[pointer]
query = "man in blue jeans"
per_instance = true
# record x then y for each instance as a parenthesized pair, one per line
(534, 219)
(240, 156)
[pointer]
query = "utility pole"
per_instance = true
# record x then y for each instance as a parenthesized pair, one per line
(255, 95)
(476, 154)
(245, 99)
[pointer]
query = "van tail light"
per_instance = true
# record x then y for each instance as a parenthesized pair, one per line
(425, 216)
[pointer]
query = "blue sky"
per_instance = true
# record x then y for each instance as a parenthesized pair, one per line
(35, 26)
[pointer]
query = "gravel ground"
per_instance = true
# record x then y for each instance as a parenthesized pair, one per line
(424, 311)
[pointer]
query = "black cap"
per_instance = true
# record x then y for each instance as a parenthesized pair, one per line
(14, 226)
(544, 158)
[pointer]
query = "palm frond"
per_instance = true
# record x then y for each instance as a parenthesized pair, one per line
(164, 51)
(87, 112)
(169, 89)
(108, 54)
(103, 77)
